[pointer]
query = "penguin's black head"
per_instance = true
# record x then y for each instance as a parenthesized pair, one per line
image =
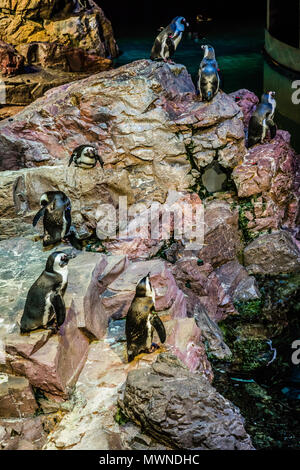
(58, 260)
(144, 288)
(209, 51)
(179, 23)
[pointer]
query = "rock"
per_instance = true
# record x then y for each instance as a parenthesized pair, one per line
(267, 176)
(9, 111)
(28, 23)
(236, 281)
(55, 366)
(182, 409)
(151, 147)
(11, 63)
(185, 339)
(59, 56)
(27, 87)
(273, 253)
(95, 274)
(247, 101)
(222, 239)
(22, 434)
(202, 289)
(16, 397)
(180, 217)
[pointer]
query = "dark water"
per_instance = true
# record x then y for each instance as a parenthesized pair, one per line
(238, 47)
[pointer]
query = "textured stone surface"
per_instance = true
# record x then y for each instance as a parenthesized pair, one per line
(236, 281)
(11, 63)
(22, 434)
(28, 21)
(16, 397)
(222, 239)
(267, 176)
(247, 101)
(272, 254)
(182, 409)
(152, 144)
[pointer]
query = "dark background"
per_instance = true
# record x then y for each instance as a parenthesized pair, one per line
(155, 13)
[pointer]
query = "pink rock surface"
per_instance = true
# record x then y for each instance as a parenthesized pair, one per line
(247, 101)
(16, 397)
(11, 63)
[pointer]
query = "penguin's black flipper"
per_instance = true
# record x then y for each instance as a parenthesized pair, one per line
(59, 307)
(159, 326)
(38, 215)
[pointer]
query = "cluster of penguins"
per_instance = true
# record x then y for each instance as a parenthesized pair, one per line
(44, 306)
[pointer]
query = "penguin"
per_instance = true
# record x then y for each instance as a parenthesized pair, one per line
(44, 306)
(168, 39)
(141, 320)
(262, 120)
(208, 76)
(56, 213)
(85, 156)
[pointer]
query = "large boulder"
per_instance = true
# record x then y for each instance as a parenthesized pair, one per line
(152, 146)
(273, 253)
(182, 409)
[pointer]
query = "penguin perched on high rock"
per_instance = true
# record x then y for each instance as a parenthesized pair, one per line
(262, 120)
(85, 156)
(208, 76)
(56, 213)
(141, 320)
(168, 39)
(44, 306)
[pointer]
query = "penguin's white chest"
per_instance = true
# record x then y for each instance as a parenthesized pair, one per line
(177, 40)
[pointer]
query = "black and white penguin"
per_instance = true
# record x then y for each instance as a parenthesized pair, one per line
(141, 320)
(56, 213)
(262, 120)
(85, 156)
(168, 39)
(208, 76)
(44, 306)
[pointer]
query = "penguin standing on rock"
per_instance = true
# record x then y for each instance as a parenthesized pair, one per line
(262, 120)
(85, 156)
(56, 213)
(45, 307)
(141, 321)
(168, 39)
(208, 76)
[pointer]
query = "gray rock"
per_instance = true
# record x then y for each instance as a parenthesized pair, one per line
(273, 253)
(182, 409)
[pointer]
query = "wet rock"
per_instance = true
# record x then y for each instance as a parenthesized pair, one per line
(16, 397)
(182, 409)
(236, 281)
(247, 101)
(11, 63)
(273, 253)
